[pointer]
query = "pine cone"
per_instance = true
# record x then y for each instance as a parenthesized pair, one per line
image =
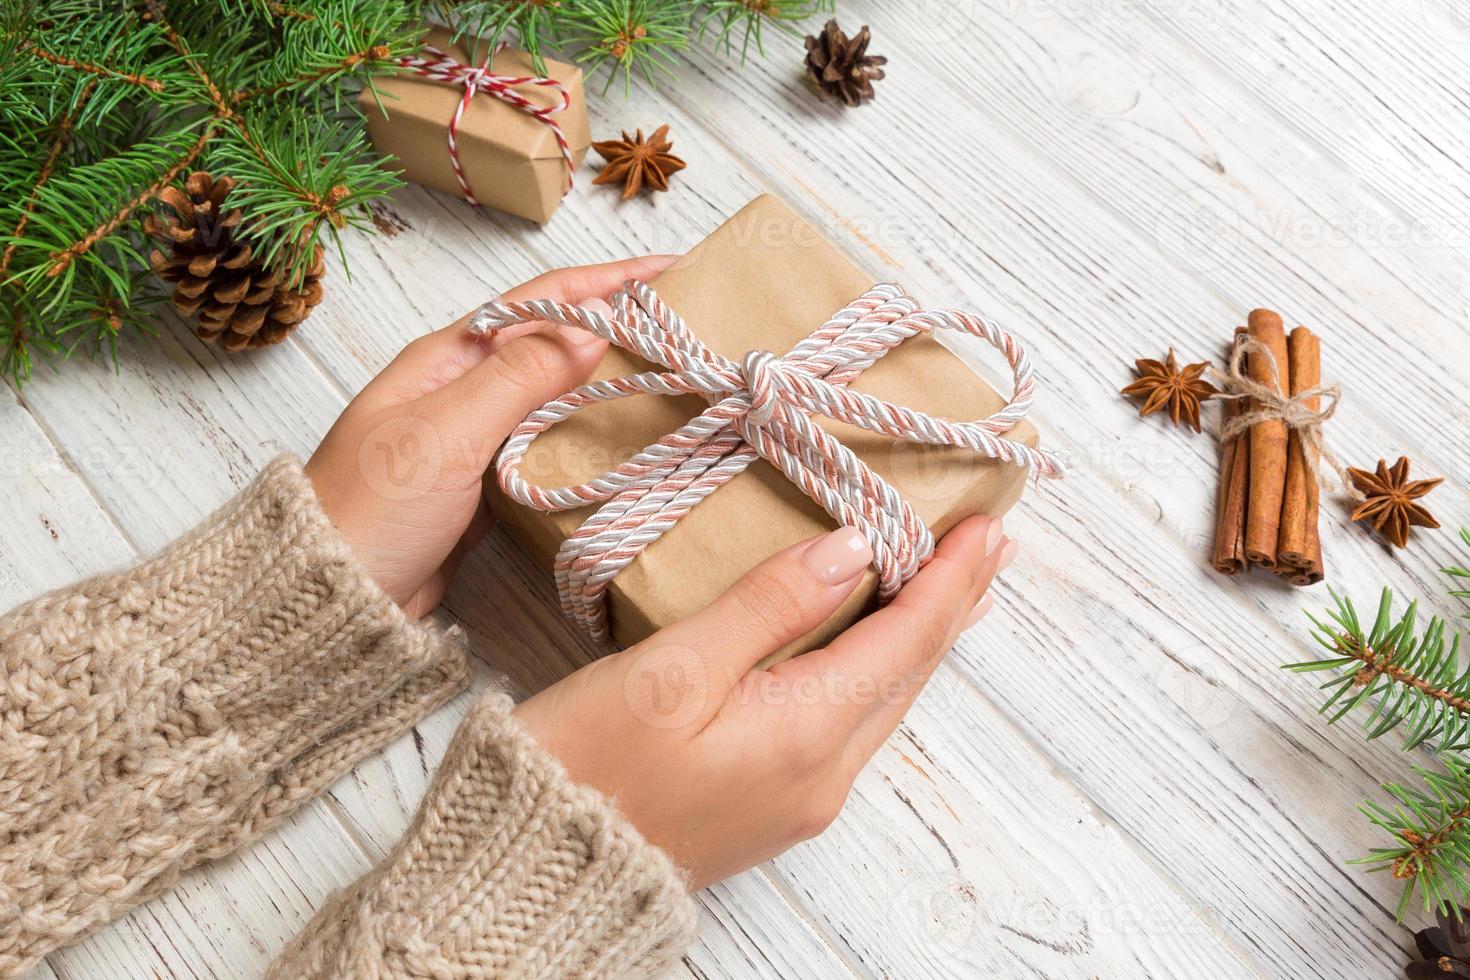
(840, 66)
(1445, 948)
(234, 298)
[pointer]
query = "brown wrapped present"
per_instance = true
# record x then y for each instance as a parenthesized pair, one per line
(510, 158)
(764, 279)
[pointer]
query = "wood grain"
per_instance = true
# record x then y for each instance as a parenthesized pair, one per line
(1110, 777)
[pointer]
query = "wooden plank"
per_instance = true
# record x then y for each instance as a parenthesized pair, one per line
(1382, 90)
(1025, 242)
(1002, 868)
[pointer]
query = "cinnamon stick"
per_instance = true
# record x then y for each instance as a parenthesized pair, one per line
(1268, 443)
(1299, 546)
(1229, 554)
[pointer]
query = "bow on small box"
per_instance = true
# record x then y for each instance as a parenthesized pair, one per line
(440, 67)
(760, 407)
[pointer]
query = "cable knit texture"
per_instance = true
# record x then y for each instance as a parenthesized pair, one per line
(157, 717)
(509, 870)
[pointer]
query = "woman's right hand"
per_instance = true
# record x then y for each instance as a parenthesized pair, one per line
(725, 766)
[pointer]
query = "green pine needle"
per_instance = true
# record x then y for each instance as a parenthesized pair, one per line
(104, 105)
(123, 98)
(1407, 679)
(746, 20)
(625, 35)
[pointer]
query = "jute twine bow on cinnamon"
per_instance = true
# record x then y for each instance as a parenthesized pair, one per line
(760, 407)
(1268, 403)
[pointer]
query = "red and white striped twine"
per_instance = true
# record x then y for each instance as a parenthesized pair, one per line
(759, 407)
(439, 67)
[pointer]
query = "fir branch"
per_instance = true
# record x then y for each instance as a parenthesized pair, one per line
(63, 136)
(1413, 681)
(748, 18)
(626, 35)
(1431, 832)
(221, 106)
(482, 24)
(65, 257)
(1459, 571)
(289, 13)
(378, 52)
(294, 185)
(320, 48)
(35, 50)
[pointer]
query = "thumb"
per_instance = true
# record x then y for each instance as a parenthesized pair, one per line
(479, 409)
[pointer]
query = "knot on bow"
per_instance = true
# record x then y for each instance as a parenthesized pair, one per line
(762, 372)
(759, 408)
(438, 66)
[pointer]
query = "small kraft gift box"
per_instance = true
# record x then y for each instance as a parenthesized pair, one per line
(500, 134)
(681, 493)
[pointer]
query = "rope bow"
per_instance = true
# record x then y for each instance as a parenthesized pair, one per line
(1270, 404)
(440, 67)
(760, 407)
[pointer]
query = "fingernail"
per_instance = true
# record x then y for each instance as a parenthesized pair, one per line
(1007, 554)
(579, 336)
(978, 613)
(837, 557)
(992, 537)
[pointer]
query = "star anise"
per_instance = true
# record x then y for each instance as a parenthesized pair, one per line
(638, 163)
(1164, 383)
(1390, 500)
(1445, 948)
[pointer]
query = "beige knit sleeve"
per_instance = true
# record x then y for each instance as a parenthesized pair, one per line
(508, 870)
(160, 716)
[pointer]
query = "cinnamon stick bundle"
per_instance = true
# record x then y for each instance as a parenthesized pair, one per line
(1268, 442)
(1229, 554)
(1299, 547)
(1269, 499)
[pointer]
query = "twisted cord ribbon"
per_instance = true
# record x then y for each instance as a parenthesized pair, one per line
(760, 407)
(439, 67)
(1271, 404)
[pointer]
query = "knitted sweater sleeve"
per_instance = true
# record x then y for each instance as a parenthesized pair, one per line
(155, 718)
(508, 870)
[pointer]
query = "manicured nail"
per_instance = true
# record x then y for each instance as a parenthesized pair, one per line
(579, 336)
(1007, 554)
(978, 613)
(837, 557)
(992, 537)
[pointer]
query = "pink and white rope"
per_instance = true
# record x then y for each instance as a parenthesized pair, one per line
(439, 67)
(760, 407)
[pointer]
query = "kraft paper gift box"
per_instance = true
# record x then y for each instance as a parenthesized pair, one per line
(511, 159)
(764, 279)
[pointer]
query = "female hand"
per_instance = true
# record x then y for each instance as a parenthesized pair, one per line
(725, 766)
(399, 473)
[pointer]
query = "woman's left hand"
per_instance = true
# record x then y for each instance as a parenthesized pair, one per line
(400, 472)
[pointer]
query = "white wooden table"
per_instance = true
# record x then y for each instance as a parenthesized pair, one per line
(1111, 778)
